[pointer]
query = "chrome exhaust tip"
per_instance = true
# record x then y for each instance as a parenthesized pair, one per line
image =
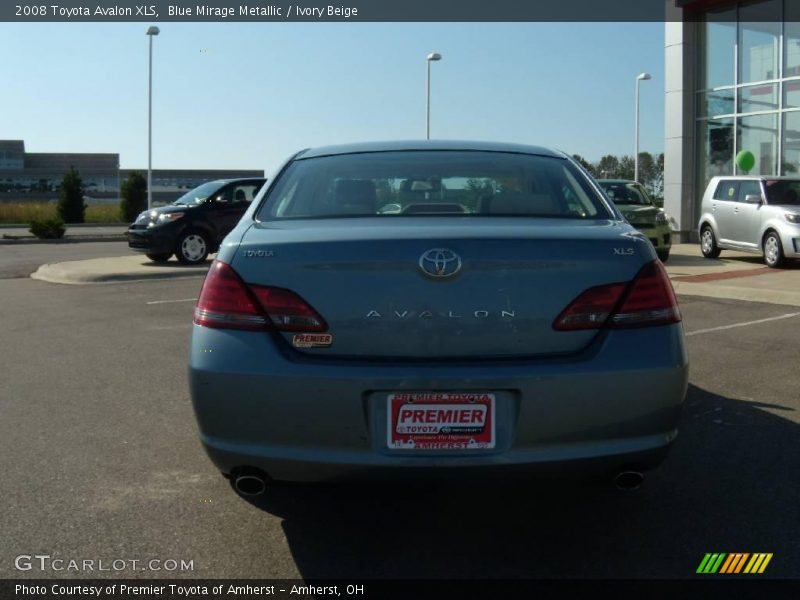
(249, 484)
(628, 480)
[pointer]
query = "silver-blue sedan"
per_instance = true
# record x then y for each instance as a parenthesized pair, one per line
(435, 308)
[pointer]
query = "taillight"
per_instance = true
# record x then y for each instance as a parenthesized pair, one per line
(650, 300)
(591, 309)
(645, 301)
(227, 302)
(287, 310)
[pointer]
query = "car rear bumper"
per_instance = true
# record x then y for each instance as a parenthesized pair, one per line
(617, 405)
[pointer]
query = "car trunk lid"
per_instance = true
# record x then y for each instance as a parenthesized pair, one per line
(381, 299)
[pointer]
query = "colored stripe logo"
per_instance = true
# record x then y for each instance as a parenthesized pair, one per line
(734, 563)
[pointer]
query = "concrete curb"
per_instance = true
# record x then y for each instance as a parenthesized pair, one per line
(75, 239)
(68, 225)
(123, 269)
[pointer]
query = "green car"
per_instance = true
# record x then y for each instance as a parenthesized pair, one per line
(641, 211)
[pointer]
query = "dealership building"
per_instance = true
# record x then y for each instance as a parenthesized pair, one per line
(732, 83)
(35, 176)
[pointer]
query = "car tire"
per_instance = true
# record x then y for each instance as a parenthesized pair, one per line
(663, 256)
(192, 248)
(773, 250)
(159, 258)
(708, 242)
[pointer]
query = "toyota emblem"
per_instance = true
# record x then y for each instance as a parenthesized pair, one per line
(440, 262)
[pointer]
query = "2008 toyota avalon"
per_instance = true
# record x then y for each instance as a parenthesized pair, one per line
(417, 308)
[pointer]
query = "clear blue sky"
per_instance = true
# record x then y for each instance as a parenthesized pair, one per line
(231, 95)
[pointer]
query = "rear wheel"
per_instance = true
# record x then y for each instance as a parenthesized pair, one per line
(159, 258)
(663, 255)
(193, 248)
(708, 243)
(773, 250)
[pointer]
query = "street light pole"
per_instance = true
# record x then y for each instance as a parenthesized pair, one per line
(639, 78)
(431, 57)
(151, 31)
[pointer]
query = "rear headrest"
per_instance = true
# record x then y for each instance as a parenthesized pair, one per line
(355, 196)
(239, 196)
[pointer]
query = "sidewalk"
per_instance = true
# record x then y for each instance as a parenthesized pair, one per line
(136, 267)
(734, 276)
(86, 232)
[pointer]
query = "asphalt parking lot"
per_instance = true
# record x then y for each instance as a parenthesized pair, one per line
(101, 461)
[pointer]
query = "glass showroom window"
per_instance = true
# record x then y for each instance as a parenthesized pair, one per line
(791, 143)
(759, 134)
(791, 39)
(791, 93)
(715, 151)
(758, 98)
(715, 103)
(759, 36)
(718, 50)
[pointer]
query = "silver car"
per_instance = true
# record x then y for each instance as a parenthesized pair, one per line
(432, 308)
(752, 214)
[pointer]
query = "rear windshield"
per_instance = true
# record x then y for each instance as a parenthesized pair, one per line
(783, 191)
(626, 193)
(412, 183)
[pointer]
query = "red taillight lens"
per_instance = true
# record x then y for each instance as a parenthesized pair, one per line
(591, 309)
(647, 300)
(227, 302)
(288, 311)
(650, 300)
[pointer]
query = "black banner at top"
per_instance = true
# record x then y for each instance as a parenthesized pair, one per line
(354, 10)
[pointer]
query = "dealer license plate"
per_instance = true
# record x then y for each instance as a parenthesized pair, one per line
(441, 420)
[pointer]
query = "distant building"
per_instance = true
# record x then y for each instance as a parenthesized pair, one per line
(35, 176)
(732, 84)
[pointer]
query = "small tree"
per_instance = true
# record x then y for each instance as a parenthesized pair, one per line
(134, 196)
(70, 197)
(608, 167)
(585, 164)
(626, 167)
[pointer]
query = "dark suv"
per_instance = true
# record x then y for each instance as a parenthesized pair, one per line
(195, 224)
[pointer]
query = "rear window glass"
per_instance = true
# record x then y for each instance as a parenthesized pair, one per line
(626, 193)
(783, 192)
(411, 183)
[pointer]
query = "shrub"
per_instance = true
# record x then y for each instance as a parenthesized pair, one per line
(70, 197)
(48, 229)
(134, 196)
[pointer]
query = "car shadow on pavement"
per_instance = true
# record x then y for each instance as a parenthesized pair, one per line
(729, 485)
(683, 260)
(172, 263)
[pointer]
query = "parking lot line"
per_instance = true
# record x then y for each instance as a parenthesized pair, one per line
(744, 324)
(171, 301)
